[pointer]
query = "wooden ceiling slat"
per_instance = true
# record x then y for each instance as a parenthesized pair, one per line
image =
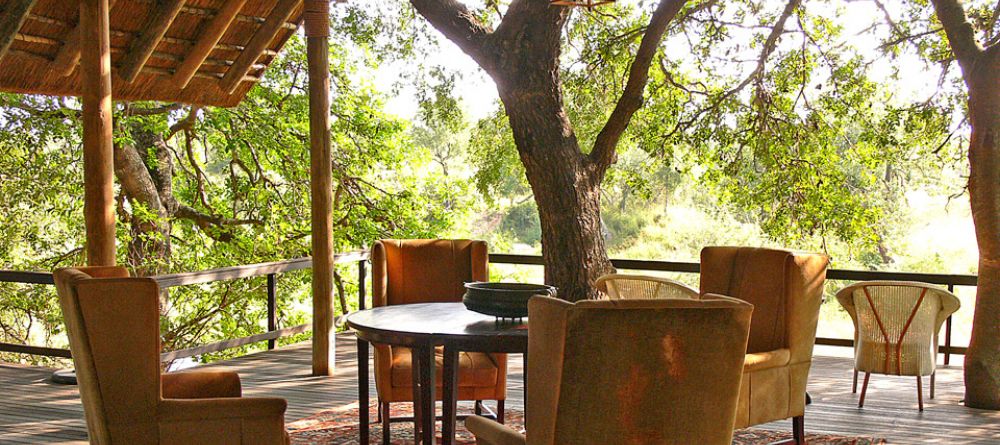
(36, 39)
(211, 13)
(47, 20)
(258, 44)
(44, 57)
(69, 55)
(11, 21)
(30, 55)
(146, 42)
(210, 37)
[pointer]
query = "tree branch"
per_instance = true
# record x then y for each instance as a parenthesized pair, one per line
(204, 220)
(457, 23)
(961, 35)
(604, 151)
(769, 46)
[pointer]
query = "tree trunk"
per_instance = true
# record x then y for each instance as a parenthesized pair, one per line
(522, 56)
(982, 362)
(568, 195)
(565, 186)
(149, 192)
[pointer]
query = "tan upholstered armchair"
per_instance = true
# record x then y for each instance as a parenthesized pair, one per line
(423, 271)
(643, 287)
(114, 334)
(629, 372)
(896, 325)
(786, 290)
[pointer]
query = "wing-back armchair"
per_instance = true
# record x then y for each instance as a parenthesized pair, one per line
(113, 325)
(423, 271)
(786, 289)
(629, 372)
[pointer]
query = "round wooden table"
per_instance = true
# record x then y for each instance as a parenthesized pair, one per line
(422, 327)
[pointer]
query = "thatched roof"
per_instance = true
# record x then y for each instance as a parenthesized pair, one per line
(206, 52)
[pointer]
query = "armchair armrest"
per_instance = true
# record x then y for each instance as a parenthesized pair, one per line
(488, 432)
(221, 408)
(200, 385)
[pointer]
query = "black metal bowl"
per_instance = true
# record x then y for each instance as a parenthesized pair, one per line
(506, 300)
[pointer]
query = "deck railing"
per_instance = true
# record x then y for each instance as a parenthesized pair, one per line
(271, 270)
(832, 274)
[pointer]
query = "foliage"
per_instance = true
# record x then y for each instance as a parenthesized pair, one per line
(798, 134)
(808, 143)
(243, 173)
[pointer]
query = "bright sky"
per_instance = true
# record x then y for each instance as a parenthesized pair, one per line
(479, 97)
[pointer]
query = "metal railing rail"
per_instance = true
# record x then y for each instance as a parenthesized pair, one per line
(271, 270)
(949, 280)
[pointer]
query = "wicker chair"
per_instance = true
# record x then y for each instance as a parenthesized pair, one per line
(643, 287)
(896, 326)
(607, 372)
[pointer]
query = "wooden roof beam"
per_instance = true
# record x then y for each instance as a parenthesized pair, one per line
(11, 21)
(69, 55)
(144, 45)
(210, 37)
(258, 44)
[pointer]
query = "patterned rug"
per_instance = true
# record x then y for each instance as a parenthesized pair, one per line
(340, 427)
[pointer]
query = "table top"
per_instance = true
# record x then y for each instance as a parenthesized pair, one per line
(439, 324)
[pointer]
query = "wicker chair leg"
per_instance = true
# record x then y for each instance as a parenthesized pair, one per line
(500, 405)
(920, 393)
(864, 390)
(934, 373)
(854, 388)
(383, 409)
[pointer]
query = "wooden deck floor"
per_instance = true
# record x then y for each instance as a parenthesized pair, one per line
(32, 410)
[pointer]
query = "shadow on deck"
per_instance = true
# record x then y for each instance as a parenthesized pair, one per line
(33, 410)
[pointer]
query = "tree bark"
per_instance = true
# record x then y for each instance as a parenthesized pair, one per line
(982, 362)
(522, 57)
(981, 71)
(150, 188)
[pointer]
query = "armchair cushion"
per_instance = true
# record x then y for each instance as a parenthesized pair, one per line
(221, 408)
(200, 385)
(764, 360)
(475, 369)
(222, 421)
(748, 274)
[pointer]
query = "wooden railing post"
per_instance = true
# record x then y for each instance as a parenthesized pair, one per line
(947, 333)
(362, 276)
(272, 308)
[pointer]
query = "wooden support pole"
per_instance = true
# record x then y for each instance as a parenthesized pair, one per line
(209, 37)
(98, 156)
(11, 21)
(317, 18)
(69, 54)
(258, 43)
(145, 44)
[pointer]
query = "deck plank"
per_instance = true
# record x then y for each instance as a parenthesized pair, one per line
(35, 411)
